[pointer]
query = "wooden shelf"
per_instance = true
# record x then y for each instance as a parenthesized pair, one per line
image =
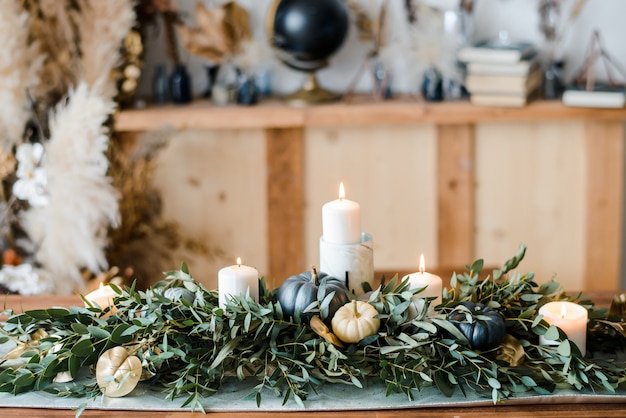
(275, 114)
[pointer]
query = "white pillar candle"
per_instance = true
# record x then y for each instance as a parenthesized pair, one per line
(103, 296)
(237, 280)
(432, 283)
(353, 262)
(571, 318)
(341, 220)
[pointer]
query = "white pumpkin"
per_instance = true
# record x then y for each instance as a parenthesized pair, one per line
(117, 372)
(354, 321)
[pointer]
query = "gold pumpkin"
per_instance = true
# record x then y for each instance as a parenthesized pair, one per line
(354, 321)
(117, 372)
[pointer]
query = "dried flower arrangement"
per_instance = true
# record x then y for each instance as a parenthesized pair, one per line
(219, 33)
(60, 79)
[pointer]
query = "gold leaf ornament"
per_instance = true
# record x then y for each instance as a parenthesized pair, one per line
(617, 311)
(117, 372)
(511, 351)
(22, 347)
(322, 330)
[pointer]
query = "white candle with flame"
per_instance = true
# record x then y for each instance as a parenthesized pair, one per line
(432, 283)
(341, 220)
(571, 318)
(237, 280)
(103, 296)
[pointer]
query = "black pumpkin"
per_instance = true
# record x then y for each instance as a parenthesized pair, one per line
(299, 291)
(482, 333)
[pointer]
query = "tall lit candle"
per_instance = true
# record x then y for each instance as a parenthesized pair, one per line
(432, 283)
(571, 318)
(341, 220)
(237, 280)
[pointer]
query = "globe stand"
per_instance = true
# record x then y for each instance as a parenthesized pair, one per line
(311, 93)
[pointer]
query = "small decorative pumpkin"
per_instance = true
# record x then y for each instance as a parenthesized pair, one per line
(299, 291)
(486, 329)
(117, 372)
(354, 321)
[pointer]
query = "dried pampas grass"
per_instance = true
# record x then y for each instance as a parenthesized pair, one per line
(19, 63)
(52, 28)
(102, 26)
(71, 231)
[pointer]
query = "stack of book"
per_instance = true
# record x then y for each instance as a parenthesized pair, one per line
(501, 74)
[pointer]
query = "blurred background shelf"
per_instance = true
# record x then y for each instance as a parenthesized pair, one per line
(275, 114)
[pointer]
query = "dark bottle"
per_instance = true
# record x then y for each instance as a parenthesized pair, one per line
(247, 93)
(180, 85)
(160, 85)
(432, 85)
(552, 81)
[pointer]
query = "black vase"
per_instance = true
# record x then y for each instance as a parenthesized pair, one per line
(180, 85)
(160, 87)
(552, 81)
(247, 93)
(432, 85)
(211, 73)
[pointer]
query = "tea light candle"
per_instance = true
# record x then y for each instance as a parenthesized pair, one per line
(571, 318)
(341, 220)
(103, 296)
(237, 280)
(432, 283)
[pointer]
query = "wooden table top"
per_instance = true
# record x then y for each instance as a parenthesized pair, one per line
(590, 410)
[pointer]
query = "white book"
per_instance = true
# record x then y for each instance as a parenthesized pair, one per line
(496, 52)
(520, 68)
(478, 83)
(602, 97)
(499, 100)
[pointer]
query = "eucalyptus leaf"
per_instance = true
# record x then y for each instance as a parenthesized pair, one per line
(552, 333)
(83, 348)
(564, 348)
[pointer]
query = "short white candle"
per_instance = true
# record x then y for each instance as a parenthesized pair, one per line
(571, 318)
(341, 220)
(103, 296)
(432, 283)
(237, 280)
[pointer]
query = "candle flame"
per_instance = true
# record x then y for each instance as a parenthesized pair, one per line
(101, 285)
(563, 311)
(342, 191)
(239, 261)
(422, 265)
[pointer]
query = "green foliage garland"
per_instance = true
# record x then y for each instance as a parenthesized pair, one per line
(188, 345)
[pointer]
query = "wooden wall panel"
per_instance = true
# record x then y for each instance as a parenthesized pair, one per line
(455, 194)
(285, 203)
(530, 189)
(213, 185)
(604, 149)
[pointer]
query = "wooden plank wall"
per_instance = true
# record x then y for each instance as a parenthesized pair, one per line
(424, 175)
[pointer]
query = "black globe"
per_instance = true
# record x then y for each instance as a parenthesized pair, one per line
(307, 32)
